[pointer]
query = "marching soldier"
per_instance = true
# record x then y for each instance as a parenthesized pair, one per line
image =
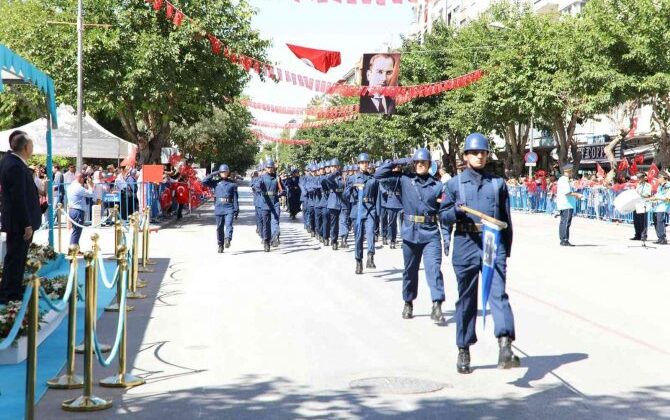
(293, 193)
(323, 204)
(419, 194)
(269, 188)
(336, 202)
(488, 194)
(317, 191)
(391, 205)
(363, 196)
(226, 206)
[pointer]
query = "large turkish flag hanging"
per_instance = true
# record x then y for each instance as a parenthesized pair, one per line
(321, 60)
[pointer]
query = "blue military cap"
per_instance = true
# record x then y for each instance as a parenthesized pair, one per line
(363, 157)
(476, 141)
(269, 163)
(224, 168)
(387, 161)
(421, 154)
(335, 162)
(320, 165)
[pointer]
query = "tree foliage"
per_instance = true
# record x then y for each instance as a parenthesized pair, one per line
(140, 70)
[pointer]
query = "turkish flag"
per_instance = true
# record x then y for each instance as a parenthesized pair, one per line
(600, 170)
(653, 171)
(633, 168)
(623, 165)
(321, 60)
(166, 198)
(181, 192)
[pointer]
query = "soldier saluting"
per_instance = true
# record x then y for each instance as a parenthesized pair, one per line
(488, 194)
(226, 205)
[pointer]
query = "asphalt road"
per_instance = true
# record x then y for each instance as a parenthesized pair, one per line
(296, 334)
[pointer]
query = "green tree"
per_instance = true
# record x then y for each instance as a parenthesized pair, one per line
(224, 137)
(140, 70)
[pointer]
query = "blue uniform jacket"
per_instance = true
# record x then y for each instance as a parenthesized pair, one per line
(336, 186)
(267, 187)
(225, 193)
(367, 186)
(390, 193)
(303, 188)
(322, 192)
(292, 186)
(478, 191)
(418, 195)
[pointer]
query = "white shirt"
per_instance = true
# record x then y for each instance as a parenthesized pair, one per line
(645, 192)
(68, 177)
(563, 200)
(77, 195)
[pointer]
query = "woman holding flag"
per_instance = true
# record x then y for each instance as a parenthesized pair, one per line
(475, 206)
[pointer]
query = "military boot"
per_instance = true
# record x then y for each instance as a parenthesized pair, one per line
(334, 244)
(220, 249)
(463, 361)
(326, 242)
(506, 358)
(227, 242)
(344, 244)
(392, 246)
(407, 311)
(436, 314)
(312, 233)
(385, 241)
(275, 242)
(370, 263)
(266, 246)
(359, 266)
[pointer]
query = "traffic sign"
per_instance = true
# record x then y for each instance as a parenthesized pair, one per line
(531, 164)
(531, 157)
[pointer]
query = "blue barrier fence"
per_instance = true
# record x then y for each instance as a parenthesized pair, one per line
(598, 204)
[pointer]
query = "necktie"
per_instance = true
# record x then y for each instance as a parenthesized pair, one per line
(380, 104)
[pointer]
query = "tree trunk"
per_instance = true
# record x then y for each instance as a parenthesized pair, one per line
(661, 115)
(515, 142)
(565, 140)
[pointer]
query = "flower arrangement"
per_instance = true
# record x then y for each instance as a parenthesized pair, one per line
(55, 287)
(42, 253)
(8, 315)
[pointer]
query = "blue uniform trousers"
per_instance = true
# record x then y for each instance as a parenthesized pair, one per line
(325, 222)
(467, 277)
(432, 261)
(224, 227)
(78, 217)
(318, 222)
(366, 226)
(334, 220)
(305, 215)
(274, 221)
(392, 223)
(383, 222)
(259, 221)
(343, 228)
(266, 227)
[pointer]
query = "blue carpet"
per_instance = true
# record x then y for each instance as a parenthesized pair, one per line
(51, 354)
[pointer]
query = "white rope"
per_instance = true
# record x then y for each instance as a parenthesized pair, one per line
(92, 226)
(103, 273)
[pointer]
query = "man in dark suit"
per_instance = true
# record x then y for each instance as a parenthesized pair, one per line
(377, 105)
(381, 73)
(21, 215)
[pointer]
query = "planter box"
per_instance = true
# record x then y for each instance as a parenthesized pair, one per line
(18, 351)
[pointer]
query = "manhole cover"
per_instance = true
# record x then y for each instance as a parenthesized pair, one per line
(397, 385)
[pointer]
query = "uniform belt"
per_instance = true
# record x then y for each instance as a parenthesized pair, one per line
(359, 186)
(225, 200)
(397, 193)
(269, 194)
(421, 219)
(367, 200)
(338, 190)
(469, 227)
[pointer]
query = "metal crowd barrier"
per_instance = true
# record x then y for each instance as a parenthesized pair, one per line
(597, 204)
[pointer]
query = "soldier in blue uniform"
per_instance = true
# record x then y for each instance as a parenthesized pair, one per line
(419, 194)
(268, 186)
(292, 187)
(323, 204)
(226, 206)
(317, 194)
(308, 186)
(391, 205)
(257, 199)
(487, 193)
(335, 184)
(363, 197)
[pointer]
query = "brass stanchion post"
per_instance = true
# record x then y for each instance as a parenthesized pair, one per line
(122, 379)
(145, 245)
(70, 380)
(59, 213)
(33, 267)
(134, 280)
(105, 348)
(114, 307)
(88, 401)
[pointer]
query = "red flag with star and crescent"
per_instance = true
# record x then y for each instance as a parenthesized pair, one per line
(322, 60)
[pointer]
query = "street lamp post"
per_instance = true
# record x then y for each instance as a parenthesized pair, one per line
(80, 83)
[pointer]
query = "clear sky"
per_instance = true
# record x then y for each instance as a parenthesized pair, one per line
(350, 29)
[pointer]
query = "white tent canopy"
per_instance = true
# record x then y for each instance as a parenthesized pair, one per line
(98, 142)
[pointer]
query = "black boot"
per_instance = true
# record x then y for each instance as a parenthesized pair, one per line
(407, 311)
(266, 246)
(436, 314)
(385, 241)
(392, 246)
(326, 242)
(506, 358)
(359, 266)
(220, 249)
(344, 244)
(227, 242)
(312, 234)
(463, 361)
(335, 245)
(370, 263)
(275, 242)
